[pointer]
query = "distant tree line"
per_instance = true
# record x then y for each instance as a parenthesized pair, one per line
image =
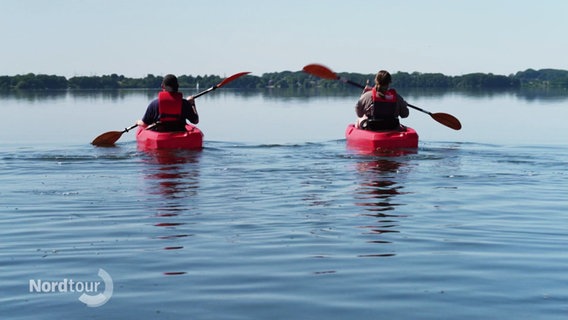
(545, 78)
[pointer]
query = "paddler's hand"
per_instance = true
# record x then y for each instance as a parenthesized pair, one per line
(367, 87)
(360, 121)
(191, 101)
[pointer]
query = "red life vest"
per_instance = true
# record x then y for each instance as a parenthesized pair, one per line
(169, 106)
(384, 106)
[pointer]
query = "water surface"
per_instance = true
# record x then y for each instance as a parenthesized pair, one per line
(284, 224)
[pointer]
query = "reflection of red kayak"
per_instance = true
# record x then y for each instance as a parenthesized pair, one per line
(192, 139)
(377, 140)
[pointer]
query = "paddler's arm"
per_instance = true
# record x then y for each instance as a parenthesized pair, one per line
(360, 112)
(402, 107)
(190, 111)
(150, 116)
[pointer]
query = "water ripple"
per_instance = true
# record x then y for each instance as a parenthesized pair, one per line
(293, 230)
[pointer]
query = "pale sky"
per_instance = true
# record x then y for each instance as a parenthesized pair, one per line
(221, 37)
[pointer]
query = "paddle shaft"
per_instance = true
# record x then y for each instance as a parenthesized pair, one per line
(204, 92)
(355, 84)
(129, 128)
(419, 109)
(222, 83)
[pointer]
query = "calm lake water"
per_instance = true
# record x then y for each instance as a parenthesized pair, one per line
(275, 218)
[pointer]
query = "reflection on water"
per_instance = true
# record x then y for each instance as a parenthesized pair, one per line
(378, 192)
(55, 95)
(172, 175)
(33, 95)
(529, 94)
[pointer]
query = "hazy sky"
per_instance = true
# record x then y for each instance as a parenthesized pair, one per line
(221, 37)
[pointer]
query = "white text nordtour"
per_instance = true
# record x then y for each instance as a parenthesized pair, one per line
(66, 285)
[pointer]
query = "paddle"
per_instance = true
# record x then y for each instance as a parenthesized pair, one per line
(109, 138)
(324, 72)
(222, 83)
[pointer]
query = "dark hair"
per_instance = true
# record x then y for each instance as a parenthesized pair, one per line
(383, 78)
(170, 83)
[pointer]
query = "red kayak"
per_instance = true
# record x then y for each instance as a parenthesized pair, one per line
(379, 140)
(191, 139)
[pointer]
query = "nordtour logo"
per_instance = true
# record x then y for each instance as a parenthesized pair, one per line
(91, 294)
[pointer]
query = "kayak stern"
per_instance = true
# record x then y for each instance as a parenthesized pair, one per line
(191, 139)
(378, 140)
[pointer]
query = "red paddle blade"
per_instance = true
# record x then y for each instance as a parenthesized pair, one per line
(320, 71)
(447, 119)
(231, 78)
(107, 139)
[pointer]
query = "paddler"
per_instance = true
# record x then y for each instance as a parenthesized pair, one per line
(170, 111)
(380, 107)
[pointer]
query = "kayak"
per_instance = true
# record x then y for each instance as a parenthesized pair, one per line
(378, 140)
(368, 140)
(192, 139)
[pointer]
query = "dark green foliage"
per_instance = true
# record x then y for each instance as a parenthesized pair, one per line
(480, 80)
(96, 82)
(543, 78)
(418, 80)
(294, 79)
(32, 81)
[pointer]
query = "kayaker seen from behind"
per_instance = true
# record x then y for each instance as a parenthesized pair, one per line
(380, 107)
(169, 111)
